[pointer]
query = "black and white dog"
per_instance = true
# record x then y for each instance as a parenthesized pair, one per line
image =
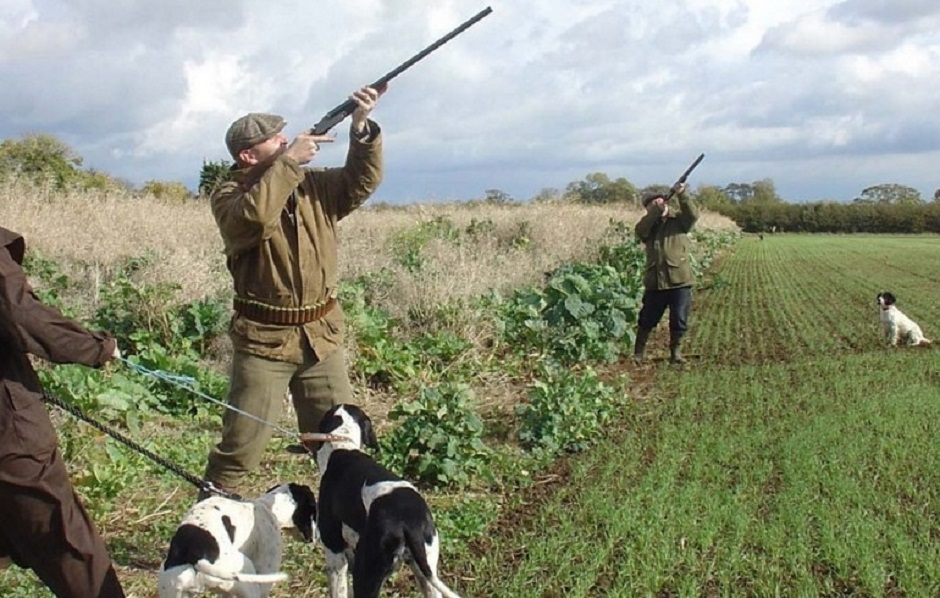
(233, 547)
(896, 325)
(368, 516)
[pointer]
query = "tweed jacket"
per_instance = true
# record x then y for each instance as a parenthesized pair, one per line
(279, 227)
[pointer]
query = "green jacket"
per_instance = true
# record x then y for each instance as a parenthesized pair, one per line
(279, 229)
(668, 245)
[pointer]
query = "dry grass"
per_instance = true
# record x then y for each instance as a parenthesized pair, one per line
(88, 234)
(556, 233)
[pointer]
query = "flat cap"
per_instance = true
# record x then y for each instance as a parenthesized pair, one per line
(251, 129)
(649, 197)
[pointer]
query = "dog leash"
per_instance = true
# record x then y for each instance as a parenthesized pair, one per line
(201, 484)
(306, 440)
(187, 382)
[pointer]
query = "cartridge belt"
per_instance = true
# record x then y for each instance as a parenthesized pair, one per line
(282, 316)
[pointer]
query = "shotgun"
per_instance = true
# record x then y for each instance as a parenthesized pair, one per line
(685, 175)
(336, 115)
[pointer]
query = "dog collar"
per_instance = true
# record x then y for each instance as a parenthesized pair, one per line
(312, 437)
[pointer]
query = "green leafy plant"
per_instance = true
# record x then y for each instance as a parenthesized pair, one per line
(202, 321)
(585, 312)
(126, 306)
(380, 360)
(385, 359)
(157, 333)
(108, 395)
(52, 281)
(566, 409)
(439, 440)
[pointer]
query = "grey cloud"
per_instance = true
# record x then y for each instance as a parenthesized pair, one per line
(893, 12)
(119, 70)
(790, 39)
(906, 136)
(96, 95)
(854, 26)
(108, 20)
(640, 36)
(872, 124)
(769, 104)
(563, 99)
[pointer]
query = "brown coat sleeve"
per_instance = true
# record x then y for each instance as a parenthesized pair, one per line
(342, 190)
(41, 330)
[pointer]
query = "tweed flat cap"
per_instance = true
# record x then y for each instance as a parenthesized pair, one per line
(251, 129)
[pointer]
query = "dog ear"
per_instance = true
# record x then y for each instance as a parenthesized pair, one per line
(368, 434)
(305, 514)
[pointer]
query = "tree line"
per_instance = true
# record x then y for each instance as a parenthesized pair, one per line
(43, 159)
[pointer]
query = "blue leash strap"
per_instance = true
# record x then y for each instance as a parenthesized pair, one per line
(188, 383)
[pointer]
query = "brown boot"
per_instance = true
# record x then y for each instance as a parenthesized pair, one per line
(639, 347)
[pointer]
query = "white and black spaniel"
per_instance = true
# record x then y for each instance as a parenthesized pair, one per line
(898, 327)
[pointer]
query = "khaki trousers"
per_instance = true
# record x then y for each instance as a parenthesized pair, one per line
(258, 386)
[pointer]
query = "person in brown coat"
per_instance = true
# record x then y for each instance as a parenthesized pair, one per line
(278, 221)
(43, 525)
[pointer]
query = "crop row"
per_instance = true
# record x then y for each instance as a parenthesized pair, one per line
(794, 297)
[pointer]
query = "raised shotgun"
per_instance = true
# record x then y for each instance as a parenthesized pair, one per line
(336, 115)
(685, 175)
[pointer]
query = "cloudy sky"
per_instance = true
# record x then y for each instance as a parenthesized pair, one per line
(823, 97)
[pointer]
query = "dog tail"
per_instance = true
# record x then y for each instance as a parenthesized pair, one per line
(210, 570)
(417, 549)
(440, 587)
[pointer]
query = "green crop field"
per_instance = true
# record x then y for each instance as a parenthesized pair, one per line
(796, 456)
(814, 296)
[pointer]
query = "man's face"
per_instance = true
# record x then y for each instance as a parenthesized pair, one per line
(266, 151)
(658, 204)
